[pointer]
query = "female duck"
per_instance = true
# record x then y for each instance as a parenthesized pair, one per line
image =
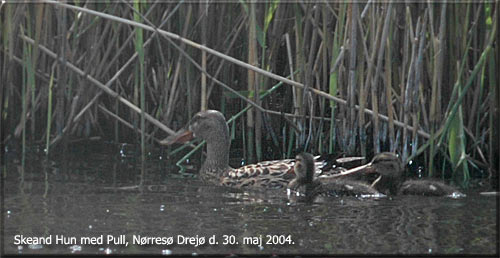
(305, 183)
(211, 126)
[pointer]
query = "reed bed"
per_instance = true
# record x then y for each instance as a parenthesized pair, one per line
(417, 78)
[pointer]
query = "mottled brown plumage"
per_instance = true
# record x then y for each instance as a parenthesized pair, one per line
(211, 126)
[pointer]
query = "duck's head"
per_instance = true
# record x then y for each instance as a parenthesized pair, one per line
(304, 167)
(209, 125)
(304, 172)
(386, 164)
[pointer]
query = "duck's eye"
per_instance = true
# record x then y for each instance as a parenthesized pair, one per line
(393, 166)
(202, 125)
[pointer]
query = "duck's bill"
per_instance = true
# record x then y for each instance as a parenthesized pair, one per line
(179, 137)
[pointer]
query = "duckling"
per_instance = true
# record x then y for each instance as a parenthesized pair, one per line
(304, 182)
(391, 180)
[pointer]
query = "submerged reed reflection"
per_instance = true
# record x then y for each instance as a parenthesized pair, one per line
(96, 194)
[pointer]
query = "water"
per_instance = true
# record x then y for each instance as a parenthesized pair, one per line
(99, 193)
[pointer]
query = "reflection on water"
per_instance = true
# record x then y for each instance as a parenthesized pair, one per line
(109, 194)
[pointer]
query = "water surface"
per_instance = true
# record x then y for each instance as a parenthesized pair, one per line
(105, 191)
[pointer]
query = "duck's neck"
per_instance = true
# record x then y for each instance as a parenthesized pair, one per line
(388, 185)
(299, 181)
(217, 155)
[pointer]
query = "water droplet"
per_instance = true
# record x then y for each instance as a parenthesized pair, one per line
(35, 247)
(420, 171)
(457, 195)
(75, 248)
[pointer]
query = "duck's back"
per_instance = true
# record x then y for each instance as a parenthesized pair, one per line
(347, 187)
(427, 187)
(266, 174)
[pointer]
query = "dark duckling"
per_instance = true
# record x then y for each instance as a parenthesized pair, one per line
(310, 187)
(391, 181)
